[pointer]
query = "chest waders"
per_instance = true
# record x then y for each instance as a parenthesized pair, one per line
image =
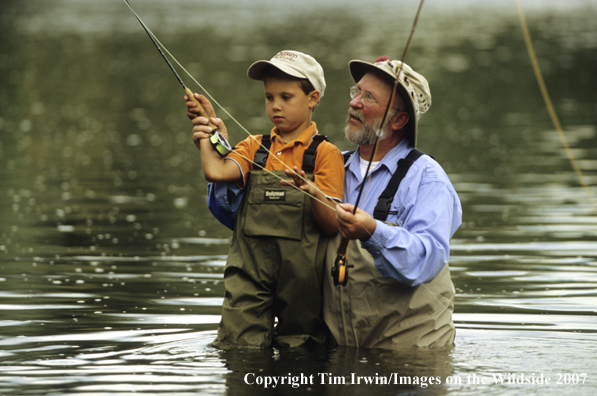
(377, 312)
(275, 264)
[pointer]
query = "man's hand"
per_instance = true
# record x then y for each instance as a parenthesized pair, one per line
(354, 226)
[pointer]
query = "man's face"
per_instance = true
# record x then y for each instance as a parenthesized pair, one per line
(364, 119)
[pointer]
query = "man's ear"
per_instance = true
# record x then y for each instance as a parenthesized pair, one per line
(399, 121)
(313, 99)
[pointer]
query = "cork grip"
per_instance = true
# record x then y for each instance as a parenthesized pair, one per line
(201, 109)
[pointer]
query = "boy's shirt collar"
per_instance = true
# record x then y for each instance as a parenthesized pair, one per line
(304, 138)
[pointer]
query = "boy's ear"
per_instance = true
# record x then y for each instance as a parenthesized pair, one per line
(313, 99)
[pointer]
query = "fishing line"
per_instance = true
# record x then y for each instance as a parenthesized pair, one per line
(160, 46)
(547, 100)
(548, 103)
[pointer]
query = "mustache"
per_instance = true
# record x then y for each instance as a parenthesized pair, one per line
(358, 114)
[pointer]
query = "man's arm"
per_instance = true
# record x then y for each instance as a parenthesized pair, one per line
(417, 250)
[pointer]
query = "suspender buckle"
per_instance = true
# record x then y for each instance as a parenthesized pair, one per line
(382, 208)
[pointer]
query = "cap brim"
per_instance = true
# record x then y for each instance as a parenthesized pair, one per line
(359, 68)
(257, 70)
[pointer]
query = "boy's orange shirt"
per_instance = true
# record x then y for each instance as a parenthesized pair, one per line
(329, 163)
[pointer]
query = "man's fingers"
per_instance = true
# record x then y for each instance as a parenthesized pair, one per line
(346, 207)
(344, 211)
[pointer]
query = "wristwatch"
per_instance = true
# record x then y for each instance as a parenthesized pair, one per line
(220, 143)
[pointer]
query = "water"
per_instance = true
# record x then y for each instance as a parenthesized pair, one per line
(112, 267)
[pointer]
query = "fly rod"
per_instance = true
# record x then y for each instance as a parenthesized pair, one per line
(340, 267)
(188, 92)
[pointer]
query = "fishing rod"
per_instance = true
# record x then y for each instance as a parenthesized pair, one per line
(340, 267)
(218, 141)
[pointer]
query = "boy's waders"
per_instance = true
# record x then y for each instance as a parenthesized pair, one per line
(274, 269)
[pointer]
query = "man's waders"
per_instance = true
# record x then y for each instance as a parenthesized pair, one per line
(377, 312)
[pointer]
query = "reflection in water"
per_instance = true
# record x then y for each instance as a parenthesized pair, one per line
(111, 266)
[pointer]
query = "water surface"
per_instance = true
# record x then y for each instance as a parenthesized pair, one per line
(112, 267)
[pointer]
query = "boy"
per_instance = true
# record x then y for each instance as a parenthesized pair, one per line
(275, 264)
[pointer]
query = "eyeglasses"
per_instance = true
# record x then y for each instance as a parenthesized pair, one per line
(366, 97)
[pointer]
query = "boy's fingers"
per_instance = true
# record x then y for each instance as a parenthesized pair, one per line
(206, 105)
(216, 121)
(200, 121)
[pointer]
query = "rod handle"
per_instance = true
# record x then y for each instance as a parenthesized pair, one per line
(201, 109)
(343, 247)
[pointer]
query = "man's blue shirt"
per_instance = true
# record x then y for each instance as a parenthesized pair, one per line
(426, 210)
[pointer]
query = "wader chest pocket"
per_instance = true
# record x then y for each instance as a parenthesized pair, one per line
(274, 210)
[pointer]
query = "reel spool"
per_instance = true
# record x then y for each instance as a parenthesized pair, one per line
(340, 271)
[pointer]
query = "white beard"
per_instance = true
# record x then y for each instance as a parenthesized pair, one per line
(367, 134)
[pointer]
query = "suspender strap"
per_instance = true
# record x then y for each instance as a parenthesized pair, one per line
(382, 209)
(347, 155)
(311, 153)
(308, 157)
(262, 153)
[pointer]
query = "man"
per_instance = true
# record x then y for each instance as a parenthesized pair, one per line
(398, 293)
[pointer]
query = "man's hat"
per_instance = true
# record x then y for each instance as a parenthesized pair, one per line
(293, 63)
(412, 87)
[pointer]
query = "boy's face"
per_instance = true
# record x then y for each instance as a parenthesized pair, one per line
(287, 106)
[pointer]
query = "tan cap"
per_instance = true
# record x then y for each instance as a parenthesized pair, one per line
(412, 86)
(293, 63)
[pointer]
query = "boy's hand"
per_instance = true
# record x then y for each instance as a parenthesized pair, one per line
(201, 127)
(322, 207)
(299, 179)
(193, 110)
(201, 130)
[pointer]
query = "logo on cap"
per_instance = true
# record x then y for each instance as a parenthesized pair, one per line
(289, 56)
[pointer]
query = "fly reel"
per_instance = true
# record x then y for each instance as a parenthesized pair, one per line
(340, 271)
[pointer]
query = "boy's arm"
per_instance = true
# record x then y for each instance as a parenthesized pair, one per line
(215, 168)
(324, 209)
